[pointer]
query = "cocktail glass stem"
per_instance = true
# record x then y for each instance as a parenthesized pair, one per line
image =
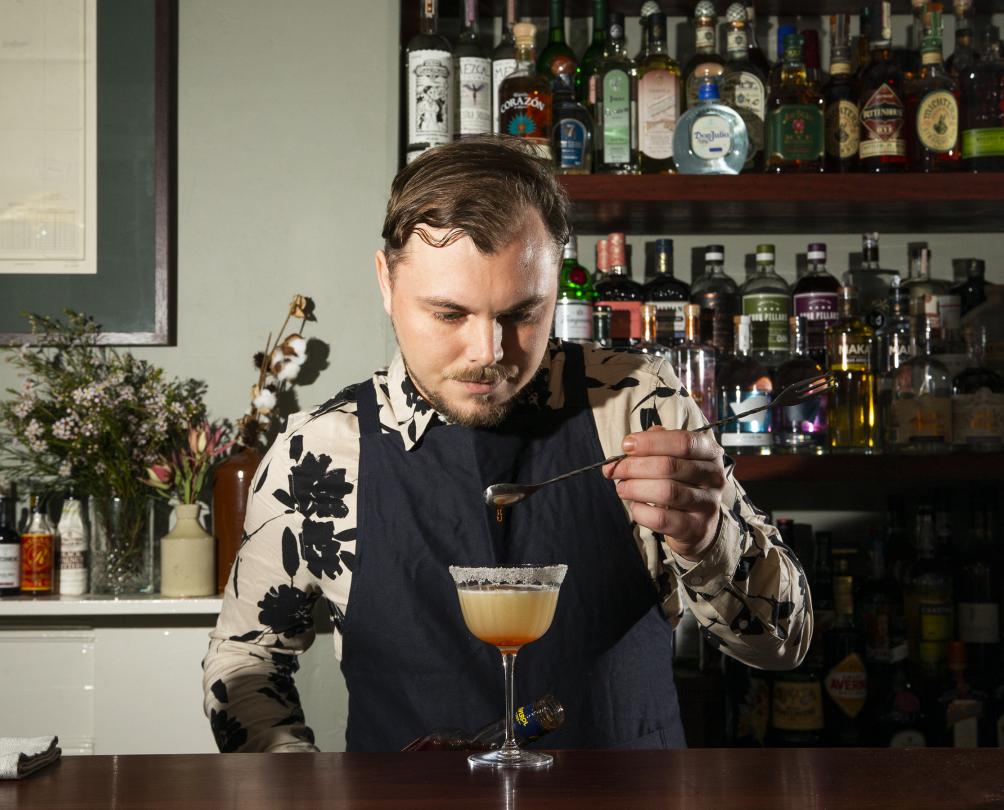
(509, 747)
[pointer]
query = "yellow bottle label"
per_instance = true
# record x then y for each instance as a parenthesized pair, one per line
(847, 685)
(925, 418)
(843, 129)
(938, 121)
(36, 562)
(798, 706)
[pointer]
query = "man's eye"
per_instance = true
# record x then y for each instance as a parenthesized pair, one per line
(449, 317)
(523, 316)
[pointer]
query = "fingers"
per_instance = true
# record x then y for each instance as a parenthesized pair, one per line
(697, 473)
(685, 527)
(677, 443)
(669, 495)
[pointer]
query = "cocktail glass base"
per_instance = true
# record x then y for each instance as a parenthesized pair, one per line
(515, 759)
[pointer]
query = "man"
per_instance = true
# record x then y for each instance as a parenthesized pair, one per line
(368, 499)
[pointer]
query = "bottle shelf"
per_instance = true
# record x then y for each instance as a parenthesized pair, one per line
(684, 8)
(757, 203)
(947, 467)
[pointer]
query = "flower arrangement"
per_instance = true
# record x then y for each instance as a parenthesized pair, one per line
(181, 476)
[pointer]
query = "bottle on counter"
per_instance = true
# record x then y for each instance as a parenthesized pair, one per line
(525, 98)
(503, 59)
(616, 134)
(851, 413)
(894, 344)
(601, 327)
(73, 548)
(922, 400)
(718, 297)
(798, 428)
(428, 84)
(10, 547)
(659, 92)
(572, 133)
(962, 705)
(38, 546)
(472, 69)
(845, 685)
(870, 280)
(964, 55)
(744, 384)
(972, 288)
(756, 53)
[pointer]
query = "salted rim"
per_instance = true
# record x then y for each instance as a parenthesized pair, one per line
(522, 575)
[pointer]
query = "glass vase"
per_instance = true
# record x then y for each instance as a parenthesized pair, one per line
(122, 551)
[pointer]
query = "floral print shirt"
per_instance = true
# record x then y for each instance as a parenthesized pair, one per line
(748, 592)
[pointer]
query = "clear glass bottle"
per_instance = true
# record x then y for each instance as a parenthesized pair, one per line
(623, 295)
(796, 135)
(658, 101)
(870, 280)
(744, 384)
(922, 401)
(717, 294)
(883, 145)
(706, 62)
(649, 343)
(983, 108)
(840, 96)
(503, 59)
(816, 298)
(472, 69)
(798, 428)
(428, 82)
(10, 547)
(977, 401)
(572, 133)
(919, 282)
(743, 85)
(694, 362)
(851, 412)
(710, 137)
(766, 298)
(38, 544)
(573, 314)
(668, 294)
(525, 99)
(557, 62)
(964, 55)
(585, 76)
(894, 342)
(616, 134)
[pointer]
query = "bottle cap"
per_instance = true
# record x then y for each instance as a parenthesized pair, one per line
(615, 250)
(765, 253)
(571, 247)
(736, 13)
(663, 245)
(615, 25)
(817, 252)
(706, 9)
(650, 7)
(714, 253)
(793, 44)
(524, 33)
(603, 310)
(708, 90)
(602, 255)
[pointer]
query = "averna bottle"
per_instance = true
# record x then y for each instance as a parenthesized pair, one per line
(503, 59)
(557, 62)
(573, 314)
(718, 297)
(710, 137)
(531, 722)
(428, 84)
(744, 384)
(743, 86)
(766, 298)
(840, 96)
(616, 125)
(705, 63)
(846, 681)
(37, 551)
(851, 403)
(472, 68)
(668, 294)
(798, 428)
(658, 101)
(883, 145)
(525, 96)
(795, 127)
(10, 547)
(816, 298)
(694, 362)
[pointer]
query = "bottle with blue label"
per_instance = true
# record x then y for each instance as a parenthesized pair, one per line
(743, 385)
(710, 137)
(572, 135)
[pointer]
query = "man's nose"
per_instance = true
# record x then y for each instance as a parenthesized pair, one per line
(486, 343)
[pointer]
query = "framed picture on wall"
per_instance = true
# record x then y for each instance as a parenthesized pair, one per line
(88, 135)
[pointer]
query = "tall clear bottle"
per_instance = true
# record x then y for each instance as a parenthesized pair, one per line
(870, 280)
(668, 294)
(585, 76)
(718, 297)
(840, 95)
(922, 400)
(883, 142)
(658, 101)
(798, 428)
(744, 384)
(428, 79)
(622, 294)
(851, 411)
(573, 314)
(706, 62)
(816, 298)
(616, 134)
(894, 342)
(649, 343)
(977, 401)
(743, 85)
(694, 362)
(503, 59)
(472, 68)
(766, 298)
(525, 100)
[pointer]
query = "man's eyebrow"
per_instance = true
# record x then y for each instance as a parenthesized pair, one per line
(453, 306)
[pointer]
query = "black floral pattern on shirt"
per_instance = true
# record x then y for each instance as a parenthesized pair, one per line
(230, 735)
(287, 610)
(313, 489)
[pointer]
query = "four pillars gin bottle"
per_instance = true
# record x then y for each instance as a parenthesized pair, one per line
(744, 384)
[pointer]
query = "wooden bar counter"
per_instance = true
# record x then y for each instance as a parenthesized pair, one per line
(721, 779)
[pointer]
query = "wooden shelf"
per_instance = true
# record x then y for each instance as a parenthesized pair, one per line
(951, 467)
(819, 203)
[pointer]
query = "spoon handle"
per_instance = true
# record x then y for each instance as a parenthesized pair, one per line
(562, 477)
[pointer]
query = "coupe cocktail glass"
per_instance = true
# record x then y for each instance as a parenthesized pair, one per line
(509, 607)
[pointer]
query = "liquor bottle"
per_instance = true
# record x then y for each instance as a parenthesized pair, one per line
(846, 681)
(710, 137)
(932, 107)
(37, 551)
(694, 362)
(10, 548)
(964, 55)
(649, 343)
(928, 605)
(947, 342)
(919, 282)
(718, 297)
(658, 101)
(601, 327)
(798, 428)
(705, 63)
(983, 109)
(623, 295)
(862, 43)
(585, 76)
(669, 294)
(979, 597)
(910, 62)
(971, 290)
(816, 298)
(503, 59)
(73, 546)
(557, 62)
(851, 404)
(840, 97)
(572, 133)
(922, 400)
(795, 126)
(880, 612)
(961, 705)
(747, 705)
(755, 52)
(899, 720)
(977, 401)
(894, 344)
(743, 85)
(870, 280)
(648, 8)
(882, 147)
(743, 384)
(602, 260)
(766, 298)
(429, 85)
(573, 314)
(531, 722)
(811, 58)
(472, 99)
(783, 32)
(616, 124)
(525, 100)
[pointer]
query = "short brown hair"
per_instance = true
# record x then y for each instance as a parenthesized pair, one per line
(476, 187)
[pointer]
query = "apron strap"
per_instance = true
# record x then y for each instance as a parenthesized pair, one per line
(366, 407)
(574, 376)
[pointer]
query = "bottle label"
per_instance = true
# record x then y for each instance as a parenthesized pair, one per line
(924, 418)
(704, 38)
(938, 121)
(736, 40)
(474, 110)
(573, 320)
(843, 129)
(701, 72)
(430, 88)
(573, 140)
(500, 69)
(848, 354)
(523, 115)
(819, 309)
(963, 716)
(10, 565)
(658, 109)
(769, 313)
(984, 142)
(748, 430)
(36, 562)
(616, 119)
(935, 632)
(745, 93)
(711, 137)
(796, 132)
(670, 321)
(978, 418)
(882, 120)
(526, 724)
(878, 638)
(716, 321)
(979, 622)
(625, 319)
(798, 706)
(847, 685)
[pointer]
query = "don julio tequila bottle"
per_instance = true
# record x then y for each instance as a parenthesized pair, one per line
(851, 406)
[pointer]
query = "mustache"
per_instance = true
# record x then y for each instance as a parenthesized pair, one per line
(487, 374)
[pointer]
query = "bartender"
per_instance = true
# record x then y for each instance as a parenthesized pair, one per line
(366, 500)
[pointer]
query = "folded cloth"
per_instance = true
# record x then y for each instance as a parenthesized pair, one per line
(20, 756)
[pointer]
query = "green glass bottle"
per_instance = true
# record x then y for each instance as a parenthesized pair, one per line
(795, 129)
(616, 137)
(557, 62)
(585, 74)
(573, 314)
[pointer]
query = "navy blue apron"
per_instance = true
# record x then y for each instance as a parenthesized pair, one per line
(411, 665)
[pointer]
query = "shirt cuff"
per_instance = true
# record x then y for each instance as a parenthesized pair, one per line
(714, 571)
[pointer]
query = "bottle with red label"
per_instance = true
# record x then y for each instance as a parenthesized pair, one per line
(623, 295)
(883, 141)
(37, 551)
(845, 682)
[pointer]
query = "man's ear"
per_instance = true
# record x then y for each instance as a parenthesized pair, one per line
(383, 278)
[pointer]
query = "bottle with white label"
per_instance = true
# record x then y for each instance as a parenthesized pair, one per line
(658, 101)
(573, 314)
(815, 298)
(922, 399)
(472, 98)
(710, 137)
(73, 546)
(503, 59)
(428, 79)
(744, 87)
(706, 63)
(744, 384)
(616, 102)
(10, 549)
